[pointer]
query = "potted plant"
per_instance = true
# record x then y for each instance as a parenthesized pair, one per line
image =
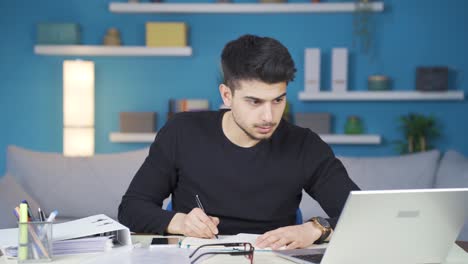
(418, 131)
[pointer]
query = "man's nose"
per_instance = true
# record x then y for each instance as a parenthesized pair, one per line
(267, 115)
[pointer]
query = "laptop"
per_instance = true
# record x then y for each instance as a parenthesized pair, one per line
(392, 226)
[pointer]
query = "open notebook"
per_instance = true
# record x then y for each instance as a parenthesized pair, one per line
(193, 242)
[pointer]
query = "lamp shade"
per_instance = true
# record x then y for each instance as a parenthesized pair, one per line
(78, 93)
(78, 108)
(78, 141)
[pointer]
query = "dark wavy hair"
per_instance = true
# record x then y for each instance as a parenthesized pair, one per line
(256, 58)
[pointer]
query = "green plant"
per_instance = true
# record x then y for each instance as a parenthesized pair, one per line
(418, 131)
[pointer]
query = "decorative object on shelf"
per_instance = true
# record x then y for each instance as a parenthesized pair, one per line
(378, 83)
(363, 26)
(170, 110)
(339, 70)
(112, 38)
(354, 126)
(78, 108)
(312, 70)
(166, 34)
(287, 114)
(187, 105)
(138, 122)
(58, 34)
(320, 123)
(432, 79)
(418, 131)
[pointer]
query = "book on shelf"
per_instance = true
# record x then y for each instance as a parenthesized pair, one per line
(187, 105)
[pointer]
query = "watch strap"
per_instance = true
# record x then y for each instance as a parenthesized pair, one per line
(325, 230)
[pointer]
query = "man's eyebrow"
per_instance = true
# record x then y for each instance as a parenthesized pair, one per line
(284, 94)
(253, 98)
(261, 100)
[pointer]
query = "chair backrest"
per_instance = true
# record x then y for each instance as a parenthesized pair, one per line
(298, 213)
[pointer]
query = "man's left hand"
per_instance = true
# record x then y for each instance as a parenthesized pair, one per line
(296, 236)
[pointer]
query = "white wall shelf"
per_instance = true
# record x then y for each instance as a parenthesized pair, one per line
(382, 96)
(239, 7)
(88, 50)
(352, 139)
(118, 137)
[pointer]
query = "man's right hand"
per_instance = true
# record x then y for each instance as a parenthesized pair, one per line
(194, 224)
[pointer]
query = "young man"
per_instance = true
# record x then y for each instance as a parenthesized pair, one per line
(246, 164)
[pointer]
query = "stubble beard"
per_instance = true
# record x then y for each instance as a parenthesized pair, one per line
(248, 133)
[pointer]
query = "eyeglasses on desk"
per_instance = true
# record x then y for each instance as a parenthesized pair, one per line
(247, 251)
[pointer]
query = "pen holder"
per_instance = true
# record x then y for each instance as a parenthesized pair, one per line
(34, 242)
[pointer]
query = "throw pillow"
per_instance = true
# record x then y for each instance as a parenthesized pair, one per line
(453, 171)
(11, 194)
(75, 186)
(411, 171)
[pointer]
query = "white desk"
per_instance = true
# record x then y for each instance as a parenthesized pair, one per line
(128, 255)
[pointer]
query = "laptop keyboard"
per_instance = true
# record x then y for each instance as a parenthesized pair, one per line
(316, 258)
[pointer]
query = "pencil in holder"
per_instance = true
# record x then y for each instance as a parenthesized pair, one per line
(34, 242)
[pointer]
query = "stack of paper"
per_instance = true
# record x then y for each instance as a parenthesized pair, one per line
(91, 234)
(83, 245)
(73, 246)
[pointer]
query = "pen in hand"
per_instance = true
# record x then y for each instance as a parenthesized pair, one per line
(200, 205)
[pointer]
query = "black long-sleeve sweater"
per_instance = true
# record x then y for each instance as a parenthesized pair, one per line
(251, 190)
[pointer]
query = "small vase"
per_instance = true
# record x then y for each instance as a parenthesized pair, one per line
(353, 126)
(378, 83)
(112, 38)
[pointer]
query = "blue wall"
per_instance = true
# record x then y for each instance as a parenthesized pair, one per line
(409, 33)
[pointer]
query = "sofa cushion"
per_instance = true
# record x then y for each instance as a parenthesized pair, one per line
(75, 186)
(11, 194)
(411, 171)
(453, 173)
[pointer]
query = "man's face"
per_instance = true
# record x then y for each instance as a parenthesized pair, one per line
(257, 107)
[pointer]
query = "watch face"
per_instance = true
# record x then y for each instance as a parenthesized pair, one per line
(323, 222)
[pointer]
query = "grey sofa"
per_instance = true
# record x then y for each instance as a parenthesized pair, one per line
(79, 187)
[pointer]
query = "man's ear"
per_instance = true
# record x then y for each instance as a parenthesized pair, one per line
(226, 94)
